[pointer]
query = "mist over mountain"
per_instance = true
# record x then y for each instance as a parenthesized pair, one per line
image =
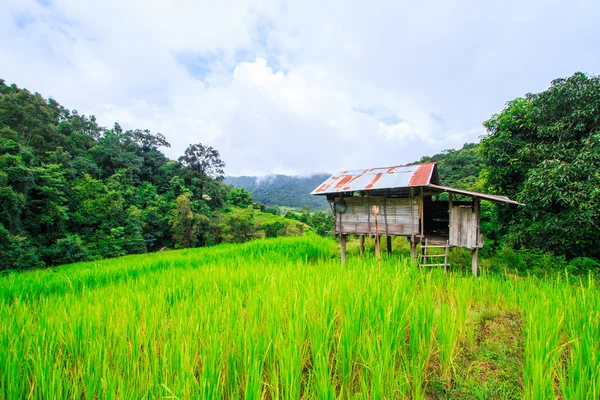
(283, 190)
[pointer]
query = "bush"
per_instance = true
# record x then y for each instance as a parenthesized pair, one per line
(238, 226)
(67, 250)
(272, 229)
(583, 265)
(273, 210)
(525, 261)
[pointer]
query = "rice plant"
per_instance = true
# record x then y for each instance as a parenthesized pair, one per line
(283, 319)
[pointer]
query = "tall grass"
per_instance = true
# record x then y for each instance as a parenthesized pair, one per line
(281, 318)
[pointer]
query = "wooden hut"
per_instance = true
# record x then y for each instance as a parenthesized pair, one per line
(404, 195)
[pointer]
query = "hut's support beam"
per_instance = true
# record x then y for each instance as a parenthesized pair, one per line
(413, 250)
(475, 262)
(343, 246)
(362, 245)
(388, 242)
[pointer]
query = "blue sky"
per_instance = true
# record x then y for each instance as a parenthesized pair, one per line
(297, 87)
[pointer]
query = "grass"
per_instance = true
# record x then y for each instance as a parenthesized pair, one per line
(281, 318)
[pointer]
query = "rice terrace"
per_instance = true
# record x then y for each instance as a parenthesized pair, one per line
(282, 318)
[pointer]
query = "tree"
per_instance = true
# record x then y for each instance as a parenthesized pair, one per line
(543, 150)
(184, 222)
(205, 161)
(239, 197)
(238, 226)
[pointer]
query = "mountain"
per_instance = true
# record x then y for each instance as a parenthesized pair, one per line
(283, 190)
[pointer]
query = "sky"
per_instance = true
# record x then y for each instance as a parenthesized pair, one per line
(297, 87)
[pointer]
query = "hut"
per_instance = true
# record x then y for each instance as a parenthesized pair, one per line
(405, 198)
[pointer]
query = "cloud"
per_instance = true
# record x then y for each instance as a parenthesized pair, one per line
(296, 87)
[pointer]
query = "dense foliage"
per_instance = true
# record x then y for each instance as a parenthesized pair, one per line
(283, 190)
(458, 168)
(544, 150)
(71, 190)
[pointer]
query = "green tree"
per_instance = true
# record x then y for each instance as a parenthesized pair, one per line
(205, 162)
(184, 222)
(134, 233)
(543, 150)
(238, 225)
(239, 197)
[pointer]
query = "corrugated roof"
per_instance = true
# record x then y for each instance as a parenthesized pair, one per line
(379, 178)
(396, 178)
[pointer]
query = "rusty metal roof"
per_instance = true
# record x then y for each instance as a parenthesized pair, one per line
(380, 178)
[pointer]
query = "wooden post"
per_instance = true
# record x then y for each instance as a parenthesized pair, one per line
(422, 213)
(412, 217)
(474, 262)
(476, 202)
(343, 245)
(362, 245)
(377, 248)
(388, 242)
(413, 250)
(378, 251)
(446, 258)
(474, 252)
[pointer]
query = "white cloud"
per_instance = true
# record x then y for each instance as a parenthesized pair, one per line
(296, 87)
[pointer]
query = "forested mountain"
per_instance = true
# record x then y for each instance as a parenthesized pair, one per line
(71, 190)
(283, 190)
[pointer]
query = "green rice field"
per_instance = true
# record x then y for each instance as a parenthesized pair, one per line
(282, 319)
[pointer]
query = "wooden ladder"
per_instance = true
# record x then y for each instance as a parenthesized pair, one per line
(425, 258)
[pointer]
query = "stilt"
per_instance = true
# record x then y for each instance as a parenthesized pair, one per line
(362, 245)
(343, 245)
(413, 250)
(474, 262)
(388, 242)
(378, 250)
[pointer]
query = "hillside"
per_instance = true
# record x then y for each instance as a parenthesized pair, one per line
(283, 190)
(71, 190)
(282, 319)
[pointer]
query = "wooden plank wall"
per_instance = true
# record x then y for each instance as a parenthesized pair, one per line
(464, 227)
(358, 217)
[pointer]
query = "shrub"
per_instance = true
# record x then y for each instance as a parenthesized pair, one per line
(584, 265)
(67, 250)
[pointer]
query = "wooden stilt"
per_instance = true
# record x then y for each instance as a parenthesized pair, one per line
(388, 242)
(343, 245)
(446, 258)
(413, 250)
(362, 245)
(475, 262)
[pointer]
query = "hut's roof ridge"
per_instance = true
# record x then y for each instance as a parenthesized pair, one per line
(398, 176)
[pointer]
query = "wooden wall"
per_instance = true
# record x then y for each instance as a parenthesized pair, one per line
(396, 216)
(464, 226)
